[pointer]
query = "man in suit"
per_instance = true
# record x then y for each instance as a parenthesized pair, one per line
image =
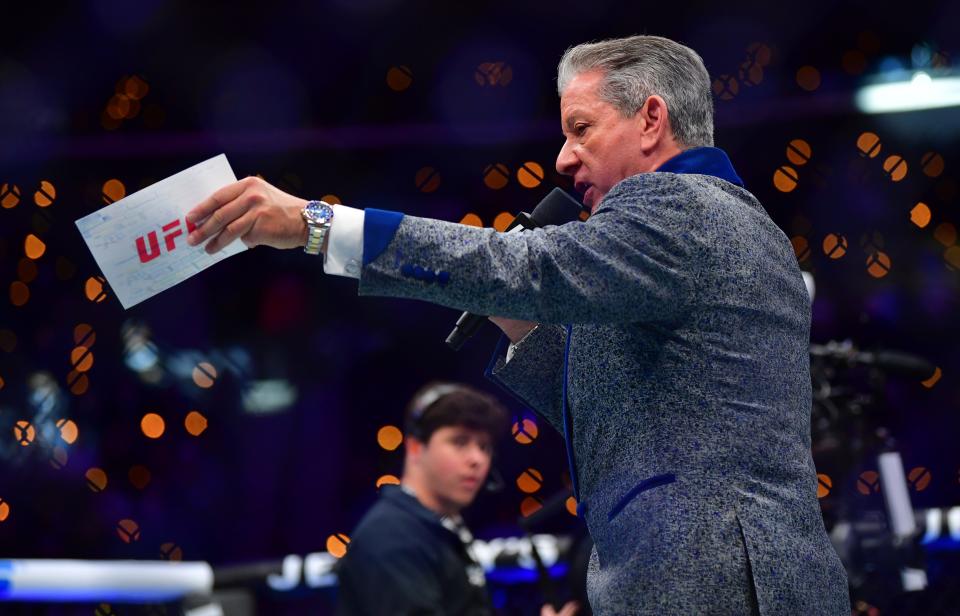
(672, 345)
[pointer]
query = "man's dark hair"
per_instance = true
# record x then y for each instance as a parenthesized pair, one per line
(437, 405)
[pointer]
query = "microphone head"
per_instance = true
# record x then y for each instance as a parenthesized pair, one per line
(557, 208)
(905, 364)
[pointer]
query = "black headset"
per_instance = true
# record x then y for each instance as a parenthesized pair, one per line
(422, 403)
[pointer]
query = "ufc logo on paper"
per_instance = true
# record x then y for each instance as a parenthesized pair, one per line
(171, 231)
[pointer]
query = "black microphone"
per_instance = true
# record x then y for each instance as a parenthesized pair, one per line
(551, 507)
(556, 208)
(894, 362)
(905, 364)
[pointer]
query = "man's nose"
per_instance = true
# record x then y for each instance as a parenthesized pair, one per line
(478, 455)
(567, 160)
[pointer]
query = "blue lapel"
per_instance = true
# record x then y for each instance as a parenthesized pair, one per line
(705, 161)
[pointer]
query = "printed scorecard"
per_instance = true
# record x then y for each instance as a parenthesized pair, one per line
(140, 241)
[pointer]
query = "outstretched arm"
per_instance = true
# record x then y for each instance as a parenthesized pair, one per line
(634, 260)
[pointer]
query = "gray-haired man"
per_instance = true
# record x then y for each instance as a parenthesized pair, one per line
(672, 345)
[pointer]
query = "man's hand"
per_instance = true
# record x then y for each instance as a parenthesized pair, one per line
(569, 609)
(252, 210)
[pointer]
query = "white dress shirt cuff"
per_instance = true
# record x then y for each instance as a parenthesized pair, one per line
(345, 242)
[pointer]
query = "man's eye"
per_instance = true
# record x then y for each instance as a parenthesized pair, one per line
(580, 129)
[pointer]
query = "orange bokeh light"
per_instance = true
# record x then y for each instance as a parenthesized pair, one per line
(113, 190)
(204, 375)
(68, 430)
(331, 199)
(824, 485)
(134, 87)
(524, 431)
(337, 545)
(928, 383)
(920, 215)
(45, 195)
(96, 479)
(869, 145)
(78, 383)
(33, 246)
(9, 196)
(152, 425)
(496, 176)
(84, 336)
(139, 476)
(529, 481)
(801, 248)
(119, 106)
(81, 358)
(94, 289)
(171, 551)
(896, 167)
(471, 219)
(195, 423)
(19, 293)
(932, 164)
(24, 432)
(834, 245)
(808, 78)
(785, 178)
(878, 264)
(502, 221)
(919, 478)
(530, 174)
(389, 437)
(128, 531)
(946, 234)
(530, 505)
(384, 480)
(399, 78)
(799, 152)
(427, 179)
(952, 256)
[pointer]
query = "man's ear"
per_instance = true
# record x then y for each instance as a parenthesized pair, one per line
(414, 447)
(655, 119)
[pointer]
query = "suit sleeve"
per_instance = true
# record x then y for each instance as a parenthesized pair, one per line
(633, 260)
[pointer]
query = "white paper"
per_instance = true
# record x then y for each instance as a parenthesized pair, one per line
(140, 241)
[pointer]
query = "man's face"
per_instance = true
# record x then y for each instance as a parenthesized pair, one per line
(455, 462)
(602, 147)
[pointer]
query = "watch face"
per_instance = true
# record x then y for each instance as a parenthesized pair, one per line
(318, 212)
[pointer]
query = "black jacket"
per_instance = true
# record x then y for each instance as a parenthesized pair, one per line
(402, 561)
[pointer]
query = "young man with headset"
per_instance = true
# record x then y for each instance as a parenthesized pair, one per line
(410, 554)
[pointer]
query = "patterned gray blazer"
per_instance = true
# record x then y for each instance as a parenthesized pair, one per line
(673, 355)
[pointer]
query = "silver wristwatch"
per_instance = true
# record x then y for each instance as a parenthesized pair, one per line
(318, 216)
